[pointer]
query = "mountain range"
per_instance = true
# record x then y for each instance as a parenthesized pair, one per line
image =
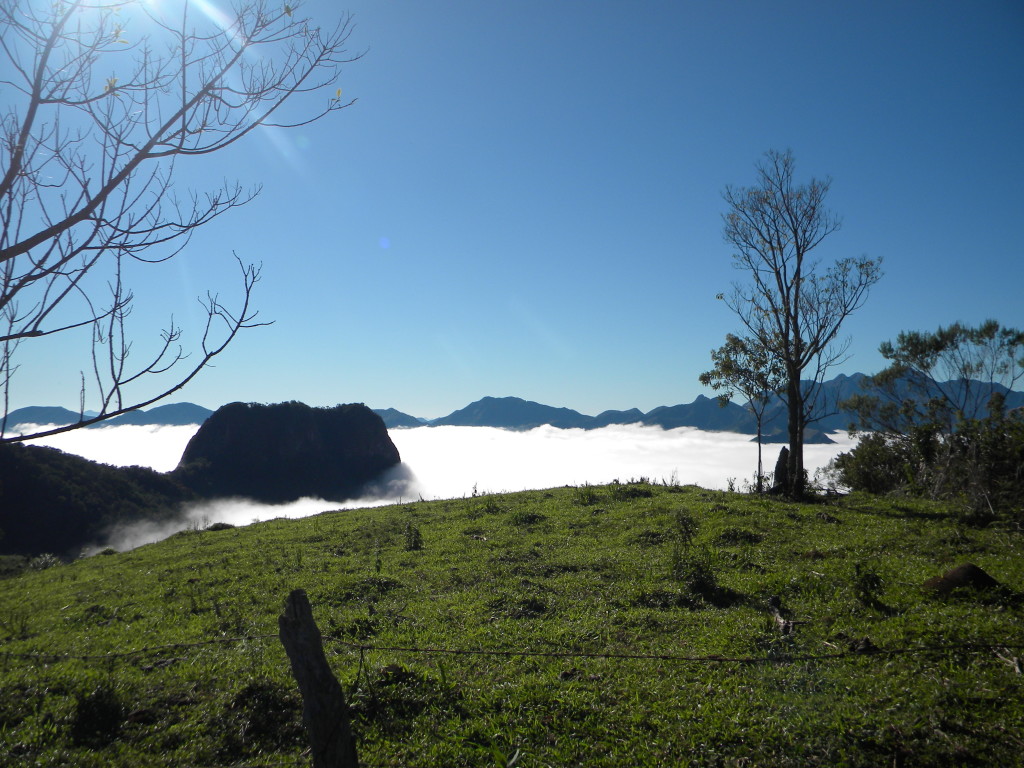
(703, 413)
(162, 415)
(517, 414)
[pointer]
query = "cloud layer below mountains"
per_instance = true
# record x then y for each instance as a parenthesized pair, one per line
(452, 462)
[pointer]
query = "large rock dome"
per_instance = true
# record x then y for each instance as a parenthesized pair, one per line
(282, 452)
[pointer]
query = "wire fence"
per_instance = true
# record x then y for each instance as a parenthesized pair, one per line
(1008, 651)
(1001, 648)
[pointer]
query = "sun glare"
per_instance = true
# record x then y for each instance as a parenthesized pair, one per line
(136, 16)
(214, 14)
(169, 10)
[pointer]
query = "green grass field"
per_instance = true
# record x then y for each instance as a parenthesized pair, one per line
(595, 626)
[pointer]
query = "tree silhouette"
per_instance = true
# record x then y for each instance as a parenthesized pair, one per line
(102, 99)
(791, 308)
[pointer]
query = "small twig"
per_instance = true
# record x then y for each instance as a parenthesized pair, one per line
(1013, 661)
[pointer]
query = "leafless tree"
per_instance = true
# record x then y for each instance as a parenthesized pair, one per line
(792, 308)
(101, 98)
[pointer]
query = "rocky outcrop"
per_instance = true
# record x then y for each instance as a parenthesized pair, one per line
(780, 482)
(282, 452)
(965, 576)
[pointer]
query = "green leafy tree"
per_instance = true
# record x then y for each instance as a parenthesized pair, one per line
(101, 100)
(935, 421)
(940, 378)
(792, 307)
(745, 367)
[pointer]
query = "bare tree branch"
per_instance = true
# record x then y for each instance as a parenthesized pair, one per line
(106, 97)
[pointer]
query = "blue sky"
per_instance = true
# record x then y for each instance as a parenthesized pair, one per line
(526, 197)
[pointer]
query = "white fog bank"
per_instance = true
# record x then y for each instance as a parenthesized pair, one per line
(125, 445)
(452, 462)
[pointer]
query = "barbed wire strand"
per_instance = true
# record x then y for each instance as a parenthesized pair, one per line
(976, 647)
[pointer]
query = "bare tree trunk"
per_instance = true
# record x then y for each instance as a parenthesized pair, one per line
(795, 470)
(760, 465)
(797, 478)
(324, 712)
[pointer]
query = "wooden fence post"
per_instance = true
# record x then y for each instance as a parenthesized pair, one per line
(324, 712)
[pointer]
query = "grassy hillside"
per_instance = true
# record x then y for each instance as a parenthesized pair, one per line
(600, 626)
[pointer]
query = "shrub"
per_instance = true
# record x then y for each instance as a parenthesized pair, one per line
(981, 463)
(585, 496)
(878, 464)
(628, 492)
(490, 506)
(413, 538)
(99, 714)
(44, 561)
(693, 568)
(685, 527)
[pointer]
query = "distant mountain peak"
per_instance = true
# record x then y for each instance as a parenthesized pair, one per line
(177, 414)
(512, 413)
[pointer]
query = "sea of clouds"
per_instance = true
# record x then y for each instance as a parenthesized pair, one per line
(454, 462)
